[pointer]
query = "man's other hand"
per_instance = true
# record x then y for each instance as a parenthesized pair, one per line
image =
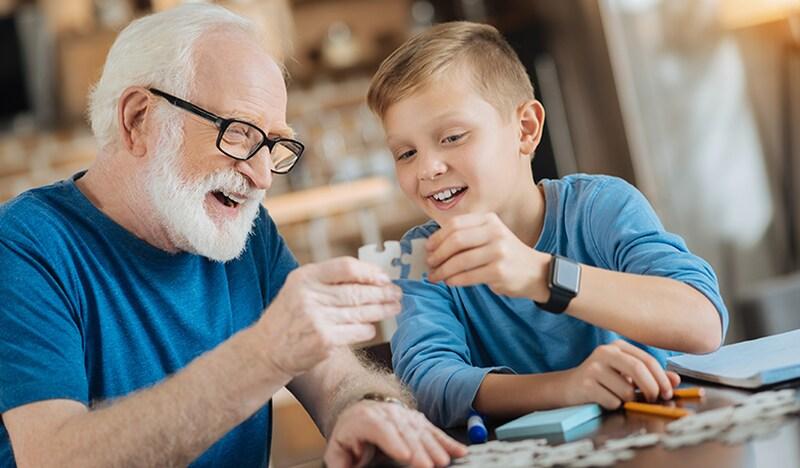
(403, 434)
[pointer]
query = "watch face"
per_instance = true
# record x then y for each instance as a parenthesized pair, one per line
(566, 275)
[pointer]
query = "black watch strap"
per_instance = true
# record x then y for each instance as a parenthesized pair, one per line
(558, 302)
(563, 283)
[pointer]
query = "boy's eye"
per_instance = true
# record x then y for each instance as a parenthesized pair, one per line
(453, 138)
(406, 154)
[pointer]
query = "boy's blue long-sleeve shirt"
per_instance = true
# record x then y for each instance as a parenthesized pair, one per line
(449, 338)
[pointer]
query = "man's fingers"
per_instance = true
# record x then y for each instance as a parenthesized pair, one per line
(408, 432)
(365, 314)
(452, 446)
(349, 270)
(436, 452)
(337, 456)
(389, 440)
(344, 295)
(352, 333)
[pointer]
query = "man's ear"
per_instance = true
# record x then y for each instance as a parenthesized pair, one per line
(132, 112)
(531, 124)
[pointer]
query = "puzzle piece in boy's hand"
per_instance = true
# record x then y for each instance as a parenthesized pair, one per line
(415, 258)
(386, 258)
(399, 259)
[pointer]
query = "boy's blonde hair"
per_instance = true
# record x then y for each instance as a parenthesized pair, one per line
(494, 67)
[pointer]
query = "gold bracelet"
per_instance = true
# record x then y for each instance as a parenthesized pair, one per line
(380, 397)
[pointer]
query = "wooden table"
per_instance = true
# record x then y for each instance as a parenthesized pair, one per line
(781, 449)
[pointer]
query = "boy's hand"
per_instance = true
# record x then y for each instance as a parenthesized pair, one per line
(479, 248)
(612, 373)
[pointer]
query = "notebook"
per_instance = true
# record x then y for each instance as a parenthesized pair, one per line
(749, 364)
(541, 423)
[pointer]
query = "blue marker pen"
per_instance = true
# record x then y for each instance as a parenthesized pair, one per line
(476, 429)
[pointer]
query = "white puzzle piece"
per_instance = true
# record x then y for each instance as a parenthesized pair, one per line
(386, 258)
(399, 259)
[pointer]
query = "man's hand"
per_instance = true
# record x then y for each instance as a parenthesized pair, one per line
(401, 433)
(611, 374)
(479, 248)
(323, 306)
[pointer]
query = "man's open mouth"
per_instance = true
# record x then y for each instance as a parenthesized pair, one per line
(227, 199)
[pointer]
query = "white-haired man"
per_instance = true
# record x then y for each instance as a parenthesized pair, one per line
(149, 309)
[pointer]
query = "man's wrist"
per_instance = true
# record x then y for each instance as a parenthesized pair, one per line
(383, 398)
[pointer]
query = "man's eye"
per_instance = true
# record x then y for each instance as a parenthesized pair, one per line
(453, 138)
(406, 154)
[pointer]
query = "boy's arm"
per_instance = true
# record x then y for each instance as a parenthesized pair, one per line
(609, 377)
(651, 289)
(431, 356)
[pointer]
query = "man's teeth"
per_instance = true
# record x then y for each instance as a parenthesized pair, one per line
(233, 197)
(446, 194)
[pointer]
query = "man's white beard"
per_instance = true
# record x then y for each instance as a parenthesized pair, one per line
(181, 205)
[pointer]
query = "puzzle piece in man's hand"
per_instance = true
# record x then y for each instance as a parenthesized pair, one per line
(399, 259)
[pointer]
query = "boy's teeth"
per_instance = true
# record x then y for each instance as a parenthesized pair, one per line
(444, 194)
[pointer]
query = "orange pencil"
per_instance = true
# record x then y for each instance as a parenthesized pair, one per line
(689, 392)
(658, 410)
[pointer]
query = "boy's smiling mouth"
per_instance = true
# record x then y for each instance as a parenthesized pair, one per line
(446, 198)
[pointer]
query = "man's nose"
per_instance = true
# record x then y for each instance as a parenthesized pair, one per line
(430, 165)
(258, 169)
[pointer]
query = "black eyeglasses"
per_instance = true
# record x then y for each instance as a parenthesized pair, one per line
(242, 140)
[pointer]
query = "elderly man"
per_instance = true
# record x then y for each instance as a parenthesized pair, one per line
(149, 309)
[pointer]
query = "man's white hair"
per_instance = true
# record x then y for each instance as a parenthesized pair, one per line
(157, 51)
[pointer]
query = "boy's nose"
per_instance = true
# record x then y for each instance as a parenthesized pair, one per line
(430, 167)
(258, 169)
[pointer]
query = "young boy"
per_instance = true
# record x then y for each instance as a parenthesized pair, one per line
(489, 329)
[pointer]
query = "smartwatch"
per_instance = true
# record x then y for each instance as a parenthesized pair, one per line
(564, 282)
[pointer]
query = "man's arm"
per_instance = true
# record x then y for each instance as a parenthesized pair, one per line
(169, 424)
(332, 392)
(320, 308)
(340, 381)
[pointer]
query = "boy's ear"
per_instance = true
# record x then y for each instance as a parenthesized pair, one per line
(530, 115)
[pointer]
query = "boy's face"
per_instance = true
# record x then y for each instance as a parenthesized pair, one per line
(454, 153)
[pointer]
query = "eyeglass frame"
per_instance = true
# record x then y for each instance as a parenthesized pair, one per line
(222, 124)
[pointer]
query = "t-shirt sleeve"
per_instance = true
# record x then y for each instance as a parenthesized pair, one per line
(41, 344)
(281, 261)
(431, 356)
(626, 234)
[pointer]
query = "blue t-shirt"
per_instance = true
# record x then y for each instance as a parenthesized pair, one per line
(449, 338)
(89, 312)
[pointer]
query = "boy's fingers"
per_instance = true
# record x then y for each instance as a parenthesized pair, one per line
(456, 224)
(617, 384)
(457, 242)
(663, 382)
(634, 368)
(674, 378)
(462, 262)
(605, 397)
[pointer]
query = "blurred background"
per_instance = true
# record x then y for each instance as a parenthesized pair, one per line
(696, 102)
